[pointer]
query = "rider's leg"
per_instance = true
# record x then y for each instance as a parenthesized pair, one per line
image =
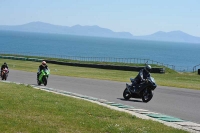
(133, 86)
(38, 76)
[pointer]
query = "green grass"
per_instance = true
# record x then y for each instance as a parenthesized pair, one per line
(171, 78)
(24, 109)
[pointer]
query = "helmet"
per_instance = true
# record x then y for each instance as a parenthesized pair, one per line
(4, 63)
(44, 63)
(147, 68)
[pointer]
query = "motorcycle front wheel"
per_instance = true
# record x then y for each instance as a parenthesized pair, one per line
(4, 76)
(45, 80)
(147, 95)
(126, 94)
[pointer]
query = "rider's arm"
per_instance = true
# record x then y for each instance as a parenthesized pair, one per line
(141, 75)
(39, 69)
(47, 67)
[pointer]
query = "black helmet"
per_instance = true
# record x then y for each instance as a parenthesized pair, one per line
(147, 68)
(4, 63)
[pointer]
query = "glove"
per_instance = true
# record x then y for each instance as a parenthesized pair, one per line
(145, 80)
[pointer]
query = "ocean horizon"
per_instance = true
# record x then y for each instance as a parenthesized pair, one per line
(183, 56)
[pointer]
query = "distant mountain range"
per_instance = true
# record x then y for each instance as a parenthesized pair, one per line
(173, 36)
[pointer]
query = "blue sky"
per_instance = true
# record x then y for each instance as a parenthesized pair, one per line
(139, 17)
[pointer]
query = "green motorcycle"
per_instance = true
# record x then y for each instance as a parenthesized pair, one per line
(43, 77)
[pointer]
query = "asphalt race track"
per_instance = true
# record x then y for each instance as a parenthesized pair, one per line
(180, 103)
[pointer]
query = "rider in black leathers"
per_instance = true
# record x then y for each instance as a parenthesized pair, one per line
(4, 66)
(42, 66)
(141, 77)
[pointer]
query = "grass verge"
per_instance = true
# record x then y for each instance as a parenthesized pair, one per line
(24, 109)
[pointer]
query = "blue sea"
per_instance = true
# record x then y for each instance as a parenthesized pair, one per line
(181, 55)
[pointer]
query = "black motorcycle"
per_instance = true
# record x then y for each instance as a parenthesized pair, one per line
(143, 90)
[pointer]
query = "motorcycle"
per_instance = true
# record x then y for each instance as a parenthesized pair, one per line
(43, 77)
(144, 90)
(4, 74)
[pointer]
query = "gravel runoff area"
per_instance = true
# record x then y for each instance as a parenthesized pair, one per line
(140, 113)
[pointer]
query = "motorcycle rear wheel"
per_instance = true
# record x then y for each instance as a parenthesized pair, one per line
(147, 95)
(126, 94)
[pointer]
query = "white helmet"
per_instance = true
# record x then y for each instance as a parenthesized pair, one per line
(148, 68)
(44, 63)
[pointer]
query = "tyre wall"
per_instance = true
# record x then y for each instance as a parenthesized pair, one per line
(111, 67)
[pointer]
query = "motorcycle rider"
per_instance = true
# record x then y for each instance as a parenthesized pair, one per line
(4, 66)
(41, 67)
(141, 77)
